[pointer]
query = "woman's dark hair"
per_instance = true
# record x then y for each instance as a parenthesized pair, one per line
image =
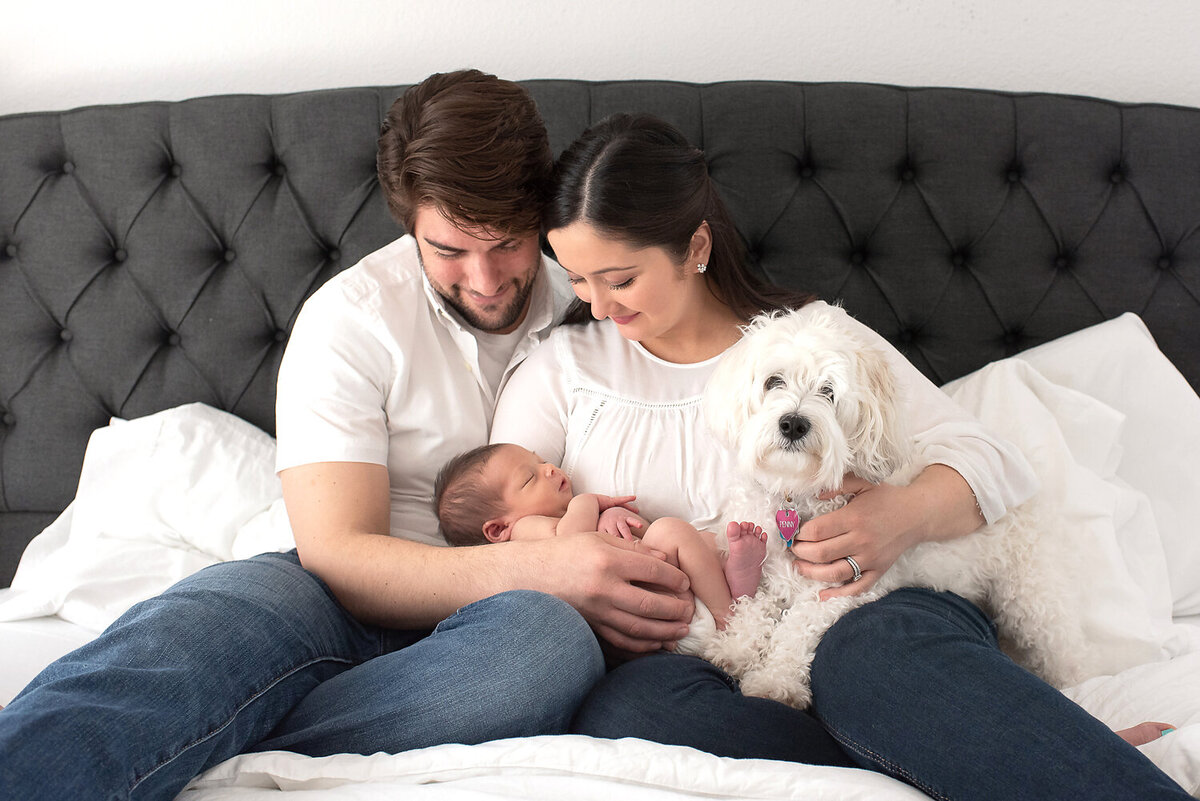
(637, 179)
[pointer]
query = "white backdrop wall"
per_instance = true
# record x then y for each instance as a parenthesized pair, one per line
(57, 54)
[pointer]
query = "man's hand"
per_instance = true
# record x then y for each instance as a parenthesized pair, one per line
(629, 595)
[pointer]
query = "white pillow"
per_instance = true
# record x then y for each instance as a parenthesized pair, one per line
(1071, 439)
(159, 498)
(1117, 362)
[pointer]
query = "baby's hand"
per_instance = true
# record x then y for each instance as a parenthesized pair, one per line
(619, 522)
(609, 501)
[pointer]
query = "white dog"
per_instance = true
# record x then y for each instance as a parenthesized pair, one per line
(802, 400)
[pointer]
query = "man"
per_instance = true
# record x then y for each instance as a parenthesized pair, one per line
(370, 637)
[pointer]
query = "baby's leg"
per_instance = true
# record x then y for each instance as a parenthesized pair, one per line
(696, 554)
(747, 550)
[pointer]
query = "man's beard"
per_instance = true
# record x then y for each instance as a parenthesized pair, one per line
(498, 319)
(495, 320)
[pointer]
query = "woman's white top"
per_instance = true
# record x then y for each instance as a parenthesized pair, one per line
(619, 420)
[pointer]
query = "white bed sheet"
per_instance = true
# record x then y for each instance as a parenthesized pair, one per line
(116, 545)
(27, 646)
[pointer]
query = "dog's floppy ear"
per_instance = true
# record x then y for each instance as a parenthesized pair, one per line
(878, 442)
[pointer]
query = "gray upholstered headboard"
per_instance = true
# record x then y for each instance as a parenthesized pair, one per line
(155, 254)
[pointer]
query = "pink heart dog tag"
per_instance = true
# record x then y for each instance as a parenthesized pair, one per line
(788, 521)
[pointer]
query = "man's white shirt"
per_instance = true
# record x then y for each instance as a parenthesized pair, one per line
(379, 370)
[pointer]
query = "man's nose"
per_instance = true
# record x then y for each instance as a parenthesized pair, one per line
(484, 275)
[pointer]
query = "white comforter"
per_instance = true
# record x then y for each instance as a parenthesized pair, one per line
(162, 496)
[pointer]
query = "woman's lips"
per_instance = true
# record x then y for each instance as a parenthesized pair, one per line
(623, 320)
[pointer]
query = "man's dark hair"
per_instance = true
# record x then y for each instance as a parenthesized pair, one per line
(470, 145)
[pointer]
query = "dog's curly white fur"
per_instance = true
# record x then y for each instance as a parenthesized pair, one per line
(802, 400)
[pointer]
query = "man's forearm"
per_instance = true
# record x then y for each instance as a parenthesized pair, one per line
(401, 584)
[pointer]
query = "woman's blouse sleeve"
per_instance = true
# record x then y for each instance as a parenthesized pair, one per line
(945, 433)
(532, 408)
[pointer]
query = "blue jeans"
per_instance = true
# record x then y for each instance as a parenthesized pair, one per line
(257, 655)
(913, 685)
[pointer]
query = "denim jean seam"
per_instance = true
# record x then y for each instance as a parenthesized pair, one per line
(209, 735)
(879, 759)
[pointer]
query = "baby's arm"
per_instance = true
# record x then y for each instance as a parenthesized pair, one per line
(585, 513)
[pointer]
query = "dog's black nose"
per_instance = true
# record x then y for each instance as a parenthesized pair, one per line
(794, 426)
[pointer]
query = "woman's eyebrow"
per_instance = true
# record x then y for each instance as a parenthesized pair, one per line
(605, 270)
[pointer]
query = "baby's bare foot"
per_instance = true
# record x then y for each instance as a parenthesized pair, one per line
(747, 549)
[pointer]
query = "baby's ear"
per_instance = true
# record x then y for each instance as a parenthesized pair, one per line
(498, 530)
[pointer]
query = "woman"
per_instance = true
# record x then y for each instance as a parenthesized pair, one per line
(914, 684)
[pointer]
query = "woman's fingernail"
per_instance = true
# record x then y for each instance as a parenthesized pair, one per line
(1165, 732)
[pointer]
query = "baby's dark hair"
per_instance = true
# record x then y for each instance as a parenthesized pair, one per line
(461, 500)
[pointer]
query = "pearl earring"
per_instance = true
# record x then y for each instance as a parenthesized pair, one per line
(701, 267)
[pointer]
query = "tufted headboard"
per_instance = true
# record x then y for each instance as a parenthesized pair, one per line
(156, 254)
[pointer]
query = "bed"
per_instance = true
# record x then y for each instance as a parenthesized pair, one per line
(1036, 254)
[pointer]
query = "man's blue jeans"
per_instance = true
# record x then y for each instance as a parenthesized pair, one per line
(258, 655)
(913, 685)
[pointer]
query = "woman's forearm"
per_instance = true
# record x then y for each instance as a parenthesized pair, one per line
(942, 504)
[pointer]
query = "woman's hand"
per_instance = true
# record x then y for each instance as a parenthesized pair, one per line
(879, 523)
(865, 529)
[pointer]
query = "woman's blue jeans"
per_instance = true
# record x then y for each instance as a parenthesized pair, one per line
(257, 655)
(913, 685)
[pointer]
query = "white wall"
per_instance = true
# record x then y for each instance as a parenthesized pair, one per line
(57, 54)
